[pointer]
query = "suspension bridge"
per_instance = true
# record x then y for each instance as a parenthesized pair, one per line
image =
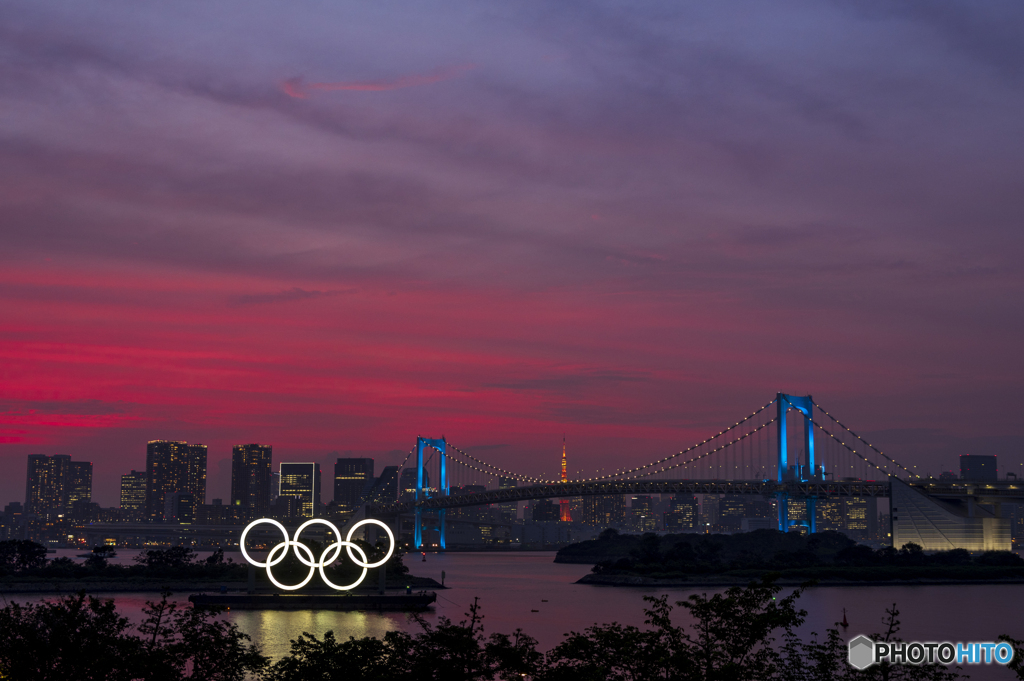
(760, 455)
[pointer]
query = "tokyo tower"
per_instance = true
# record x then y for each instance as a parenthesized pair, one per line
(563, 505)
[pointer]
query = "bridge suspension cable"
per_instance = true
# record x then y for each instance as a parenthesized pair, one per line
(624, 474)
(851, 449)
(876, 449)
(685, 451)
(502, 471)
(706, 454)
(492, 474)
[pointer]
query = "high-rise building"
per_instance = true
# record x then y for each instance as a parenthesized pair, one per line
(468, 512)
(174, 467)
(709, 511)
(861, 517)
(302, 481)
(797, 510)
(79, 483)
(732, 509)
(275, 485)
(55, 483)
(46, 483)
(829, 515)
(407, 483)
(353, 479)
(545, 509)
(974, 467)
(12, 521)
(642, 516)
(179, 508)
(605, 510)
(510, 510)
(251, 480)
(133, 495)
(683, 515)
(385, 488)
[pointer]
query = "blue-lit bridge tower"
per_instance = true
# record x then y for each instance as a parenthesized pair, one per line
(423, 492)
(797, 472)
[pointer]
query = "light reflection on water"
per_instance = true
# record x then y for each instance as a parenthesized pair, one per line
(274, 629)
(511, 586)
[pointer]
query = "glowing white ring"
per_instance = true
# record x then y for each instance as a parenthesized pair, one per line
(391, 540)
(336, 547)
(316, 521)
(241, 542)
(270, 562)
(333, 549)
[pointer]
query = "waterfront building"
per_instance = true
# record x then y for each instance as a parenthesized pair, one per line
(980, 468)
(12, 521)
(133, 495)
(301, 481)
(251, 479)
(173, 466)
(353, 478)
(79, 483)
(938, 525)
(510, 510)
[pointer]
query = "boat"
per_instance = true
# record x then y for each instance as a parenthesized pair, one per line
(844, 623)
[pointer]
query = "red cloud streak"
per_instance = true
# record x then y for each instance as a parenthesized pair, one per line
(295, 87)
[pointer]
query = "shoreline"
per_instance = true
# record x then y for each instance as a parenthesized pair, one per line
(156, 586)
(726, 580)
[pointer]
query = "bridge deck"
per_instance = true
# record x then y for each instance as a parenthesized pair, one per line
(571, 489)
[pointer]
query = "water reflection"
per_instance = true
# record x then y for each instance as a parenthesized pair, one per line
(511, 586)
(275, 629)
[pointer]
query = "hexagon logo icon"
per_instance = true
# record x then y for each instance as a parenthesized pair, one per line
(862, 652)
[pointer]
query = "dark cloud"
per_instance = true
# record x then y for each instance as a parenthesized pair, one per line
(82, 407)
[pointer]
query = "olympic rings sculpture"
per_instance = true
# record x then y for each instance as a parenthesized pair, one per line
(329, 555)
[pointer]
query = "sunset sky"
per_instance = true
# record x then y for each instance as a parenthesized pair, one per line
(332, 227)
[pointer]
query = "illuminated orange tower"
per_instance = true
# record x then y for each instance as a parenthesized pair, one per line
(563, 505)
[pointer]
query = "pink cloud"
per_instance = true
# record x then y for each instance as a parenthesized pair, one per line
(295, 87)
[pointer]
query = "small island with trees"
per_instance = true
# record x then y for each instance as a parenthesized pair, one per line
(826, 557)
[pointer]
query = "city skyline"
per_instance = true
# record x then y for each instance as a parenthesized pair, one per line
(337, 229)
